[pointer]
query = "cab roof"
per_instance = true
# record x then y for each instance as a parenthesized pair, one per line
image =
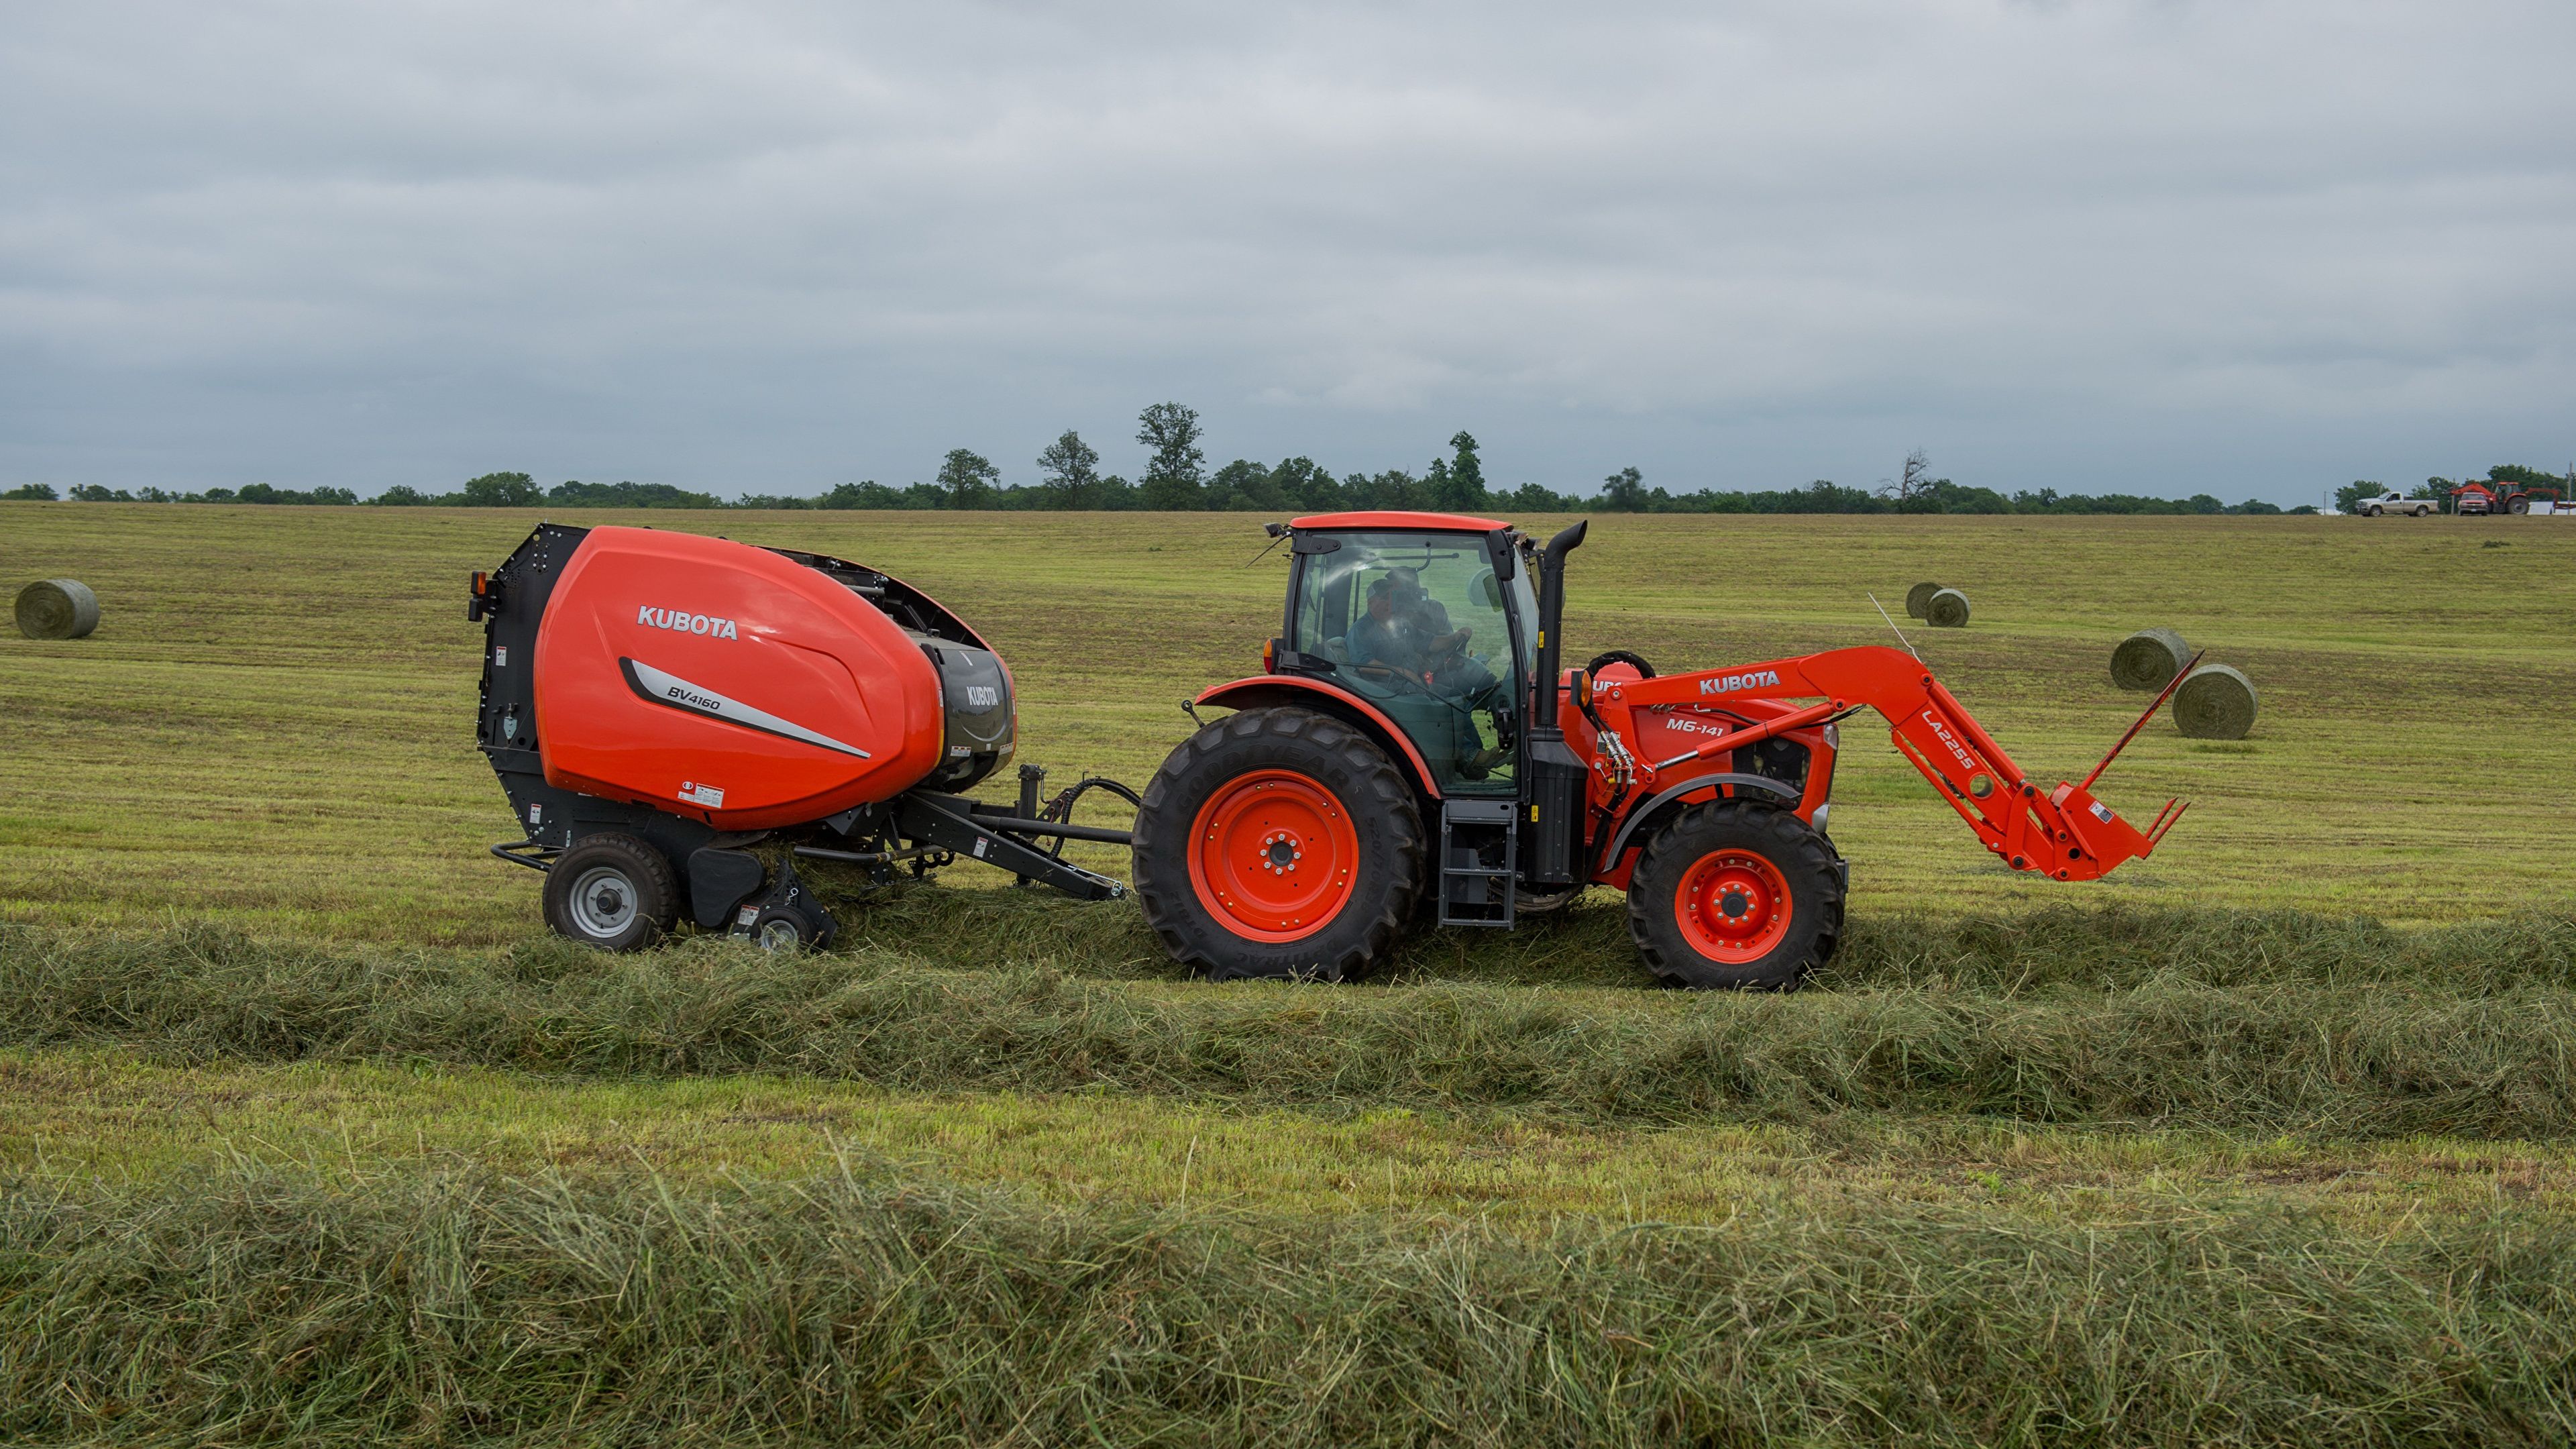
(1396, 518)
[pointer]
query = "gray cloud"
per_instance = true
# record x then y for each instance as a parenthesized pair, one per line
(2258, 248)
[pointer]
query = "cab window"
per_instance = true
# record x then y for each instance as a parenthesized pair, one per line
(1417, 624)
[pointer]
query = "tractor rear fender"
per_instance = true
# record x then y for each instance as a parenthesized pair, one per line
(1274, 689)
(1610, 866)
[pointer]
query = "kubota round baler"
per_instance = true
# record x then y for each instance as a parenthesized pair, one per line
(661, 706)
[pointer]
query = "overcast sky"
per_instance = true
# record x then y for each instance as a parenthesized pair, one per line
(2255, 249)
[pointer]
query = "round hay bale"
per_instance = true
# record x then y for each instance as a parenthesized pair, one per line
(1947, 609)
(2216, 703)
(1918, 599)
(2149, 659)
(57, 609)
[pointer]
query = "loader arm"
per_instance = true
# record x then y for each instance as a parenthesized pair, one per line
(2062, 833)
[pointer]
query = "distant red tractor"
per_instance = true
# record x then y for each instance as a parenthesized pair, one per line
(2493, 496)
(1412, 751)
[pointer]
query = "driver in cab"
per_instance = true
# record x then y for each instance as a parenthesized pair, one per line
(1380, 637)
(1408, 631)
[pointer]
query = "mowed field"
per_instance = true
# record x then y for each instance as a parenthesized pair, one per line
(309, 1134)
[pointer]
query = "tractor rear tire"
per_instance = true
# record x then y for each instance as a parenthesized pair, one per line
(1279, 843)
(612, 891)
(1734, 896)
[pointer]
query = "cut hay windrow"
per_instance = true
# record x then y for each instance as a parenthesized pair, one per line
(2149, 659)
(2366, 1061)
(2216, 703)
(417, 1308)
(57, 609)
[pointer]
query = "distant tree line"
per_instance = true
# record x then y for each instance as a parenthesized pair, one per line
(247, 493)
(1176, 478)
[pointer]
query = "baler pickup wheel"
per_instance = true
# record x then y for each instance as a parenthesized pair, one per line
(1732, 895)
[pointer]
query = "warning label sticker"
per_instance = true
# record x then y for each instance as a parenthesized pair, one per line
(697, 794)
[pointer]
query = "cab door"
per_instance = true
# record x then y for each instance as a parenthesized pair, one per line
(1424, 625)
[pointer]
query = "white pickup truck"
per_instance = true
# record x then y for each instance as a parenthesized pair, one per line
(2393, 501)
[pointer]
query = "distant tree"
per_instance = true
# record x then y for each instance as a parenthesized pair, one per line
(573, 493)
(99, 493)
(1913, 479)
(870, 494)
(1466, 474)
(1177, 471)
(1624, 491)
(497, 490)
(1116, 495)
(1539, 498)
(2203, 503)
(401, 495)
(1244, 486)
(1072, 471)
(269, 493)
(2527, 477)
(1393, 488)
(1301, 482)
(30, 493)
(2349, 496)
(966, 479)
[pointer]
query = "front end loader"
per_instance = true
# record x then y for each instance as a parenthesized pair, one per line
(1413, 750)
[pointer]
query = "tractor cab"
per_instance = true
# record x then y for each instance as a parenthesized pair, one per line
(1431, 619)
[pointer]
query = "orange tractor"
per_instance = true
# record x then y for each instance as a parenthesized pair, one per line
(1412, 751)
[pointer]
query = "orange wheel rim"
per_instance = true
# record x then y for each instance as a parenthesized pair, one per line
(1733, 906)
(1272, 856)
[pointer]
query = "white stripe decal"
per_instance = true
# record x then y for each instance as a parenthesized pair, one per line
(678, 693)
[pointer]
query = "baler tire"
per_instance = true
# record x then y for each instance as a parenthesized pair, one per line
(1770, 854)
(622, 864)
(1323, 768)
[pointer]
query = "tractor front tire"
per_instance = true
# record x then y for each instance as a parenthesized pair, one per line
(612, 891)
(1734, 896)
(1279, 843)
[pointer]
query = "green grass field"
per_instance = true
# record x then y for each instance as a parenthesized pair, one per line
(2268, 1139)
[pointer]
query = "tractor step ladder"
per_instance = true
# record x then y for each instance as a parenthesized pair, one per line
(1479, 862)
